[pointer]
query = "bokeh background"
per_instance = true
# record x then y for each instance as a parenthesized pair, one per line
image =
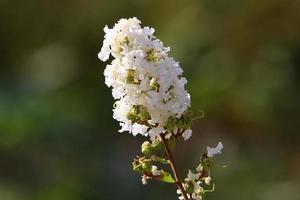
(58, 140)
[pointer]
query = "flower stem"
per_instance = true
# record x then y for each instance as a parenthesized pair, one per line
(173, 166)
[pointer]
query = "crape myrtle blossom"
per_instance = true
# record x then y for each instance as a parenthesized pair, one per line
(216, 150)
(151, 100)
(196, 180)
(146, 82)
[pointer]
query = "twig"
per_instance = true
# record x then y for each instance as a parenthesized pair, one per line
(173, 167)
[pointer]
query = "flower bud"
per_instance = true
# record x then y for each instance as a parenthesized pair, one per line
(146, 167)
(189, 187)
(132, 117)
(206, 163)
(207, 180)
(147, 148)
(157, 145)
(137, 166)
(144, 180)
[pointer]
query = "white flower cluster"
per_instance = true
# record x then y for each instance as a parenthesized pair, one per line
(197, 193)
(154, 172)
(194, 181)
(146, 82)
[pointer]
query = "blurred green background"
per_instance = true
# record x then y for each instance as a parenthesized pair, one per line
(58, 140)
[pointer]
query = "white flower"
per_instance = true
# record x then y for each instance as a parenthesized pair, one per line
(197, 191)
(196, 196)
(187, 134)
(137, 128)
(207, 180)
(154, 132)
(213, 151)
(146, 82)
(199, 168)
(144, 180)
(181, 197)
(192, 176)
(155, 171)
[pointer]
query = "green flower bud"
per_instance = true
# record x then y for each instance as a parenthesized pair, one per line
(146, 167)
(133, 115)
(206, 163)
(189, 187)
(137, 166)
(151, 148)
(147, 149)
(157, 145)
(133, 118)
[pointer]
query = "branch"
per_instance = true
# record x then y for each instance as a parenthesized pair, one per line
(173, 167)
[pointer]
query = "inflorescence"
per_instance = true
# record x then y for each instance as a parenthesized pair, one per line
(149, 88)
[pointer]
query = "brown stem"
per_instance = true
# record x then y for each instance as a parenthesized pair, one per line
(173, 167)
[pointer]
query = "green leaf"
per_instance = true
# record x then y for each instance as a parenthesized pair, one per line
(166, 177)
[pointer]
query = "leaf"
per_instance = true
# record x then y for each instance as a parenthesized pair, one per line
(166, 177)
